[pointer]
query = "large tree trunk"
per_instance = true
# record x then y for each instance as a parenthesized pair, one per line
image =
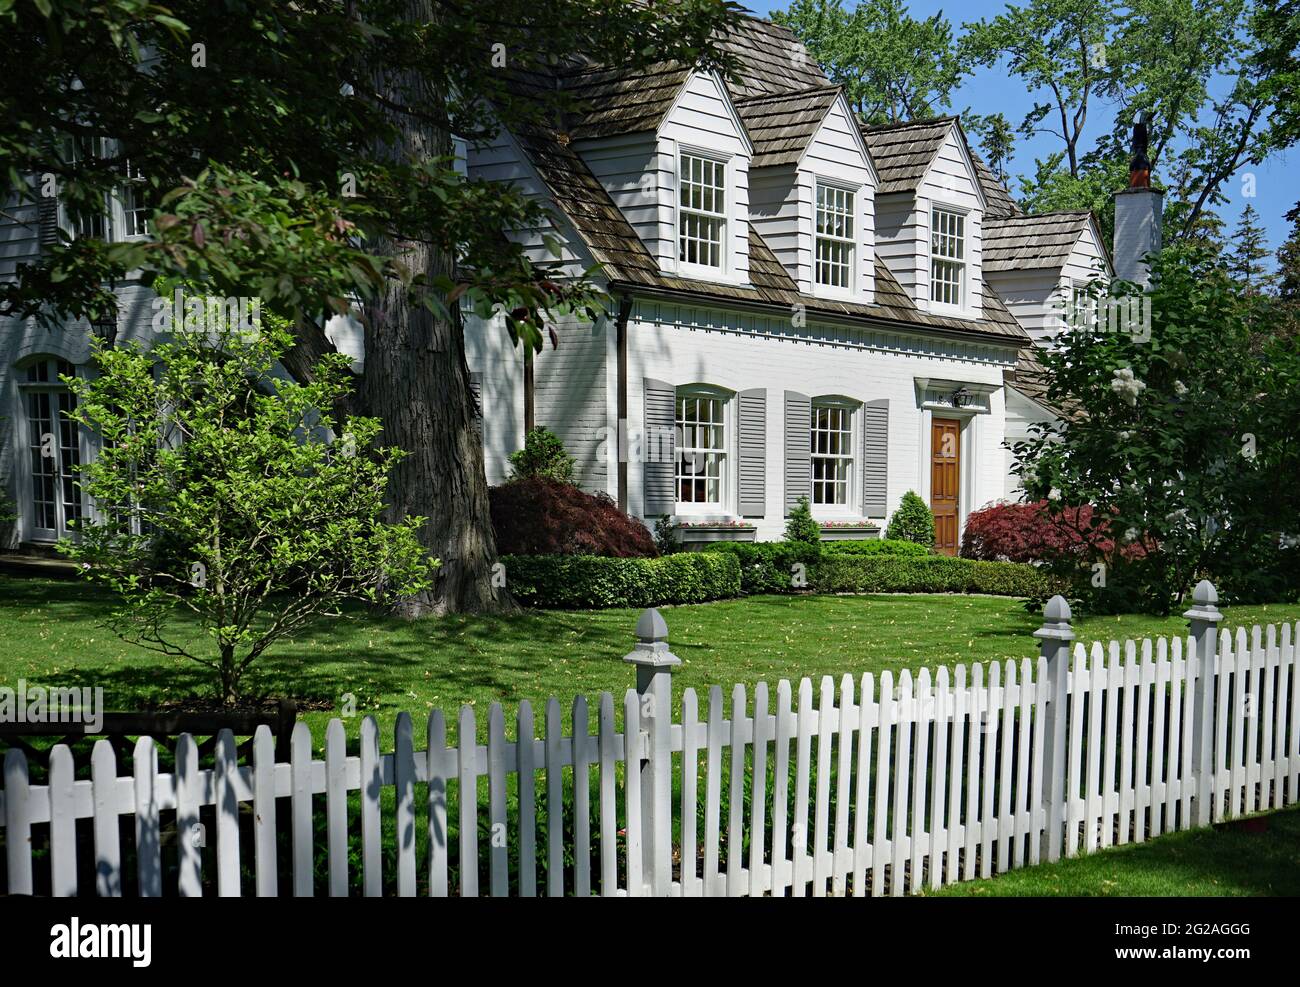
(416, 381)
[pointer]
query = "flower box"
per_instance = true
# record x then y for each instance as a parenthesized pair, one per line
(706, 531)
(849, 530)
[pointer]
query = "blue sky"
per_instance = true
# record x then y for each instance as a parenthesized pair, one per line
(989, 91)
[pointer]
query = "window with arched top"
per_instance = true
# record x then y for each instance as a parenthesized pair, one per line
(53, 442)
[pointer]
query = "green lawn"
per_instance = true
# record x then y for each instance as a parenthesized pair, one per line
(50, 635)
(1259, 856)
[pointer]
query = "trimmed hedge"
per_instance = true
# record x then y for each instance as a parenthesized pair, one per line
(767, 566)
(928, 574)
(579, 582)
(875, 546)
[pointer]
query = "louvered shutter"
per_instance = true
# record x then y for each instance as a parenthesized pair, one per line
(798, 448)
(752, 433)
(875, 457)
(659, 447)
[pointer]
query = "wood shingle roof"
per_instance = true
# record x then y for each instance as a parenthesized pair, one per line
(780, 125)
(1032, 242)
(902, 152)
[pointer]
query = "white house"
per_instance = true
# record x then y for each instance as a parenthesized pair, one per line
(804, 306)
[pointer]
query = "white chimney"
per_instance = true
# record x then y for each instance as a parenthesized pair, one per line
(1138, 213)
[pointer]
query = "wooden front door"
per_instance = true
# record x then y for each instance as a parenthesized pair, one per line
(945, 481)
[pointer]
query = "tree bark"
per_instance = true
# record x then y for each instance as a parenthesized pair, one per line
(417, 382)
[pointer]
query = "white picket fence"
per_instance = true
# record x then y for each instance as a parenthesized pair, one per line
(875, 787)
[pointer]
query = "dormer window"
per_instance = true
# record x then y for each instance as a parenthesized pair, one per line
(947, 257)
(835, 237)
(702, 211)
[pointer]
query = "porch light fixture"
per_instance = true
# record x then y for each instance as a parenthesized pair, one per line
(961, 397)
(105, 329)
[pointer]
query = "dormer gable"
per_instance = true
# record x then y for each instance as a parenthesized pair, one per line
(812, 189)
(929, 213)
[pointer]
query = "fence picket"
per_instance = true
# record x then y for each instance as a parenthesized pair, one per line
(436, 766)
(404, 796)
(956, 825)
(632, 786)
(1024, 807)
(189, 835)
(1110, 746)
(1155, 827)
(713, 793)
(498, 848)
(608, 808)
(300, 808)
(225, 775)
(939, 825)
(336, 807)
(1092, 796)
(799, 839)
(1077, 694)
(1243, 694)
(782, 873)
(902, 778)
(108, 843)
(841, 860)
(525, 733)
(1222, 768)
(371, 782)
(582, 758)
(975, 708)
(692, 886)
(992, 705)
(467, 793)
(736, 798)
(879, 845)
(265, 859)
(918, 836)
(1250, 715)
(1006, 757)
(1275, 680)
(826, 714)
(1174, 746)
(555, 799)
(1142, 766)
(1187, 786)
(18, 826)
(1126, 778)
(63, 824)
(1038, 820)
(758, 796)
(866, 729)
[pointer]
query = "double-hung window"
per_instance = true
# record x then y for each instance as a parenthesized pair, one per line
(835, 237)
(135, 205)
(947, 257)
(53, 440)
(1081, 309)
(701, 211)
(832, 454)
(701, 449)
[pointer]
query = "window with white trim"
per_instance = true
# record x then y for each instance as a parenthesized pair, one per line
(833, 266)
(832, 454)
(701, 210)
(947, 257)
(701, 449)
(53, 440)
(1081, 309)
(135, 207)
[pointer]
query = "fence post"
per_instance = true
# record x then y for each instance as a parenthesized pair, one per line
(1204, 619)
(1054, 645)
(654, 684)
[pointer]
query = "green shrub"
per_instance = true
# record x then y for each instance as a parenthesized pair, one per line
(912, 521)
(838, 573)
(574, 582)
(666, 535)
(801, 527)
(769, 566)
(543, 455)
(875, 546)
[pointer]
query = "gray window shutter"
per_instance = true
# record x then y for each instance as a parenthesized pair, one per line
(753, 453)
(47, 215)
(476, 391)
(659, 447)
(875, 457)
(798, 448)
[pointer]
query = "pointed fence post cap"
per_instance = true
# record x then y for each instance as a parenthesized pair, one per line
(1056, 621)
(651, 627)
(1204, 600)
(652, 641)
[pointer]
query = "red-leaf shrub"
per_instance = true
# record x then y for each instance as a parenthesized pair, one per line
(1005, 532)
(539, 516)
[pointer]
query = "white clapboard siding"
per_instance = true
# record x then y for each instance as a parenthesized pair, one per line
(829, 788)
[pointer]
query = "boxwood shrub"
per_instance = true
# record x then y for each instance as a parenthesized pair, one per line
(838, 573)
(573, 582)
(767, 566)
(875, 546)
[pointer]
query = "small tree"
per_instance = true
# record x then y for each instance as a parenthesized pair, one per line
(801, 527)
(543, 455)
(221, 491)
(912, 521)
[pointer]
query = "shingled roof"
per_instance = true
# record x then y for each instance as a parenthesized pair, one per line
(781, 125)
(998, 201)
(902, 152)
(1032, 242)
(796, 87)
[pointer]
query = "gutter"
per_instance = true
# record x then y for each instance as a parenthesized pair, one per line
(624, 312)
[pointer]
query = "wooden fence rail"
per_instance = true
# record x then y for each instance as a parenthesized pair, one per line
(865, 787)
